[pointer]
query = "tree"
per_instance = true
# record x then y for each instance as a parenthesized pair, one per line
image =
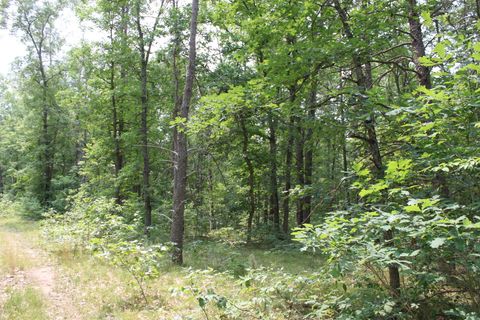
(144, 51)
(180, 147)
(36, 24)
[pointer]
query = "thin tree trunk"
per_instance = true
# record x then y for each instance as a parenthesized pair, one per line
(1, 180)
(117, 119)
(176, 85)
(145, 154)
(344, 153)
(251, 177)
(288, 168)
(115, 135)
(309, 153)
(274, 202)
(181, 152)
(299, 164)
(144, 57)
(211, 203)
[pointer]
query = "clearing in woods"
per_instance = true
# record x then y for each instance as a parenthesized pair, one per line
(32, 285)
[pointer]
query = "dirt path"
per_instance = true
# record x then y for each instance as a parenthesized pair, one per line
(25, 265)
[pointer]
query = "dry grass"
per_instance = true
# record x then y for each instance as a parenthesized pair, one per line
(24, 304)
(95, 290)
(12, 255)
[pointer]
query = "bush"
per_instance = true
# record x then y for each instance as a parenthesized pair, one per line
(27, 206)
(98, 225)
(436, 248)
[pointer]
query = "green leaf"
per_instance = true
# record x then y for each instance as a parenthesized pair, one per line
(441, 50)
(427, 19)
(412, 208)
(427, 62)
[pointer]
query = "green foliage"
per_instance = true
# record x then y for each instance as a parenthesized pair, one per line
(98, 225)
(140, 259)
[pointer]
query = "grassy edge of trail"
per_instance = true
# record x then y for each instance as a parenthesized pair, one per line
(216, 284)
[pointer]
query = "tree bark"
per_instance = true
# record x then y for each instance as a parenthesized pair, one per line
(274, 202)
(181, 152)
(288, 168)
(309, 153)
(144, 54)
(299, 164)
(423, 73)
(251, 177)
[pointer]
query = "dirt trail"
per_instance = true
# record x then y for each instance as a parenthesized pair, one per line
(30, 266)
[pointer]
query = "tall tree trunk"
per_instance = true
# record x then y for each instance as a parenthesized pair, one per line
(288, 167)
(46, 141)
(1, 180)
(37, 42)
(299, 164)
(144, 57)
(211, 204)
(274, 202)
(309, 152)
(115, 134)
(181, 152)
(117, 119)
(364, 82)
(144, 138)
(48, 163)
(176, 85)
(251, 177)
(344, 153)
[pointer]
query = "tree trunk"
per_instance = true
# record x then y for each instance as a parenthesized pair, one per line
(274, 205)
(115, 134)
(144, 139)
(181, 152)
(344, 154)
(309, 153)
(144, 56)
(423, 73)
(288, 168)
(364, 82)
(176, 85)
(251, 177)
(299, 163)
(1, 180)
(48, 158)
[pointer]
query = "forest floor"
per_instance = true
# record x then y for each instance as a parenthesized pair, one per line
(32, 285)
(39, 282)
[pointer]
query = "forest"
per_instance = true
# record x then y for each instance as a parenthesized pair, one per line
(241, 159)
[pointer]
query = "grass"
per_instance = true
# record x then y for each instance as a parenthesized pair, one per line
(24, 304)
(213, 271)
(12, 257)
(102, 291)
